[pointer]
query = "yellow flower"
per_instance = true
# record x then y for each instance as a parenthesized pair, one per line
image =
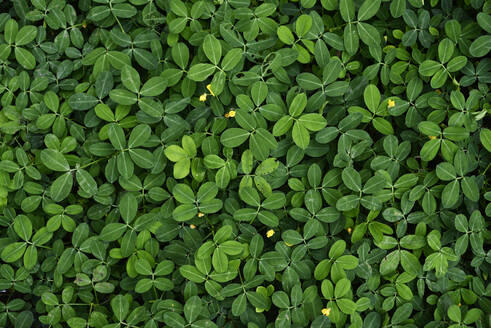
(391, 103)
(192, 226)
(231, 113)
(432, 137)
(288, 244)
(227, 115)
(202, 97)
(326, 312)
(270, 233)
(200, 215)
(209, 89)
(84, 24)
(349, 231)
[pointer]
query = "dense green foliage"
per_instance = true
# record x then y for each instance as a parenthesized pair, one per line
(244, 163)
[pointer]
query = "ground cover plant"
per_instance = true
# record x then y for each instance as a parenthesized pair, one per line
(244, 163)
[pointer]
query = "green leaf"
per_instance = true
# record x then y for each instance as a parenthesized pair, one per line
(30, 257)
(112, 231)
(143, 267)
(351, 179)
(180, 54)
(445, 50)
(120, 306)
(116, 136)
(234, 137)
(285, 35)
(368, 9)
(347, 10)
(402, 313)
(122, 97)
(178, 7)
(13, 251)
(223, 234)
(154, 86)
(346, 305)
(123, 10)
(347, 262)
(250, 196)
(82, 101)
(54, 160)
(181, 168)
(219, 260)
(239, 305)
(430, 149)
(175, 153)
(104, 112)
(257, 300)
(300, 135)
(480, 46)
(470, 188)
(23, 227)
(200, 72)
(450, 194)
(139, 135)
(303, 25)
(383, 126)
(193, 308)
(128, 206)
(130, 78)
(25, 58)
(368, 34)
(351, 38)
(61, 187)
(10, 31)
(397, 8)
(282, 126)
(212, 49)
(313, 122)
(343, 286)
(184, 212)
(371, 96)
(454, 313)
(429, 67)
(49, 299)
(25, 35)
(298, 104)
(86, 182)
(183, 193)
(485, 136)
(231, 59)
(446, 172)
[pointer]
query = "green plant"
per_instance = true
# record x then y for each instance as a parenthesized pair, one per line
(243, 163)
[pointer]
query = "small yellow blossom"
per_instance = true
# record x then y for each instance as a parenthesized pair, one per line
(202, 97)
(270, 233)
(231, 113)
(227, 115)
(84, 24)
(349, 231)
(288, 244)
(200, 215)
(192, 226)
(460, 304)
(391, 103)
(432, 137)
(209, 89)
(326, 312)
